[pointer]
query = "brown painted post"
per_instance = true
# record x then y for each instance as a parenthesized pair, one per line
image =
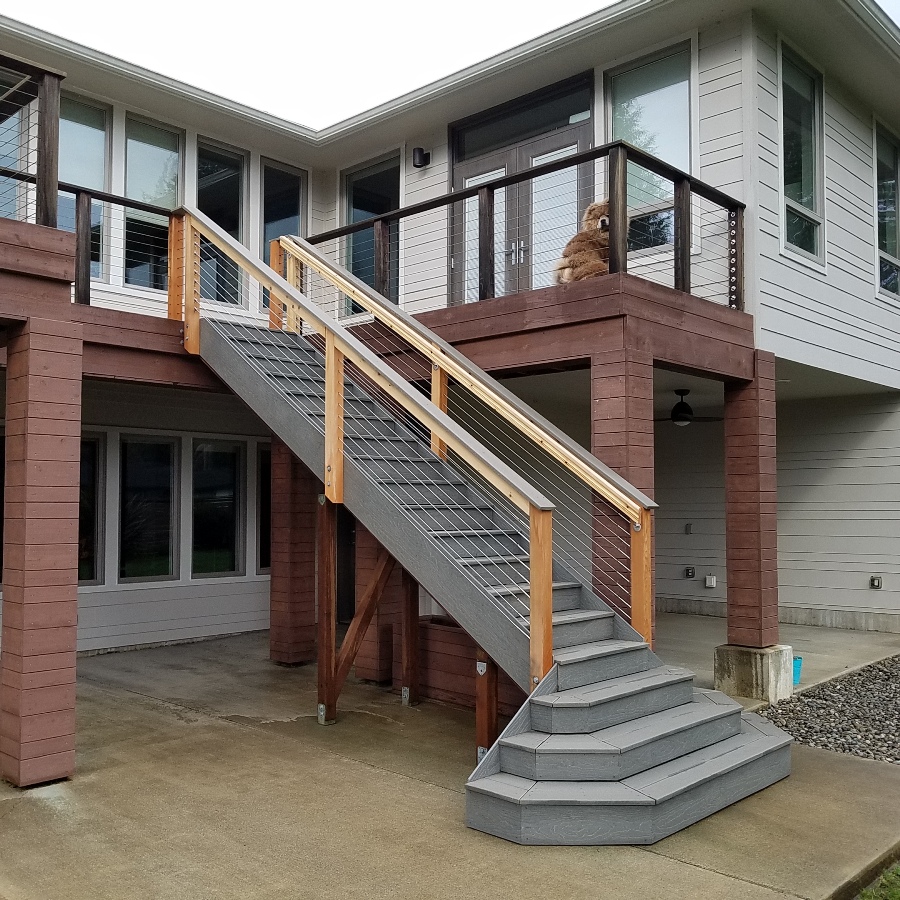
(326, 581)
(176, 268)
(292, 591)
(683, 235)
(47, 187)
(751, 514)
(486, 725)
(40, 553)
(83, 248)
(486, 262)
(409, 641)
(382, 260)
(618, 210)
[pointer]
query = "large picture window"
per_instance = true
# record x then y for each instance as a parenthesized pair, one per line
(887, 180)
(152, 166)
(216, 508)
(801, 155)
(147, 532)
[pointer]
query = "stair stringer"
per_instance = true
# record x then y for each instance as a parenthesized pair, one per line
(469, 604)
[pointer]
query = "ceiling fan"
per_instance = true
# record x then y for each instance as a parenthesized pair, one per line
(682, 414)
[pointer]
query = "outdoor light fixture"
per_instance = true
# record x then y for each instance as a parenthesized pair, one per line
(421, 158)
(682, 414)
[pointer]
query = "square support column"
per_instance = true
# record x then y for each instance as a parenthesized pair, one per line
(622, 437)
(40, 552)
(292, 592)
(751, 508)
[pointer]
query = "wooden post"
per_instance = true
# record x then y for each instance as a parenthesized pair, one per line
(642, 577)
(409, 641)
(383, 258)
(177, 267)
(683, 235)
(618, 210)
(486, 286)
(83, 248)
(47, 193)
(191, 287)
(326, 594)
(276, 306)
(541, 584)
(486, 726)
(439, 396)
(334, 421)
(736, 258)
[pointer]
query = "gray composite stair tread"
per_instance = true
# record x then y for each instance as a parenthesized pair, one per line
(575, 616)
(524, 791)
(595, 650)
(628, 735)
(511, 590)
(485, 560)
(614, 688)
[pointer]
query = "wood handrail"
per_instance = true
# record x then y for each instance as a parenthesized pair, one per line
(584, 466)
(503, 478)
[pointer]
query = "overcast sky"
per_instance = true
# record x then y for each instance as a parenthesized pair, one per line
(311, 61)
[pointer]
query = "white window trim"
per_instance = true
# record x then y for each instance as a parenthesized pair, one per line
(819, 261)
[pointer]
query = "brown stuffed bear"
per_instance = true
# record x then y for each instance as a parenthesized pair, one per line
(587, 253)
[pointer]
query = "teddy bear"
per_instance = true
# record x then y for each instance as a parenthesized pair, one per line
(587, 253)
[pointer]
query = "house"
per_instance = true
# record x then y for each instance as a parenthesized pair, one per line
(162, 476)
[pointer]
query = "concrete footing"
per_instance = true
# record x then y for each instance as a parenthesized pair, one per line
(762, 673)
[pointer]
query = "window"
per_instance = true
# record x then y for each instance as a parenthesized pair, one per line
(800, 116)
(82, 162)
(89, 513)
(152, 166)
(371, 192)
(887, 178)
(216, 508)
(264, 507)
(282, 204)
(220, 195)
(651, 108)
(148, 504)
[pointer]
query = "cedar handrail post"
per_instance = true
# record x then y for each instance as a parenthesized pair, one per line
(382, 229)
(618, 209)
(683, 235)
(177, 266)
(642, 576)
(439, 397)
(83, 248)
(541, 593)
(334, 420)
(736, 257)
(276, 304)
(486, 286)
(47, 186)
(191, 287)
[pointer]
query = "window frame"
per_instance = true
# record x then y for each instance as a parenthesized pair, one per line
(241, 511)
(98, 438)
(262, 447)
(881, 130)
(816, 216)
(176, 513)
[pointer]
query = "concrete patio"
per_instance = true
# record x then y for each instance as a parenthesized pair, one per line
(202, 773)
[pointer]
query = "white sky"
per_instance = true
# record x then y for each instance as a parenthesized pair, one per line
(315, 62)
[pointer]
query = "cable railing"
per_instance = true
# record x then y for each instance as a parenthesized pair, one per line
(506, 235)
(601, 524)
(29, 141)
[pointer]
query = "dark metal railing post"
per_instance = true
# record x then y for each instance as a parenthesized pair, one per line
(683, 235)
(618, 209)
(47, 204)
(736, 257)
(383, 258)
(83, 248)
(486, 286)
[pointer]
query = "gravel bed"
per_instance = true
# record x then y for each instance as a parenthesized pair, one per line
(858, 713)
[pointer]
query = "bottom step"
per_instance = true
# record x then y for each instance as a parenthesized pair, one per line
(641, 809)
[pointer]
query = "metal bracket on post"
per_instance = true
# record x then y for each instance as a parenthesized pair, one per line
(404, 696)
(320, 715)
(480, 753)
(481, 667)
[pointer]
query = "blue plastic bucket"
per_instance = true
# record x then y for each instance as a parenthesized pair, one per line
(798, 666)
